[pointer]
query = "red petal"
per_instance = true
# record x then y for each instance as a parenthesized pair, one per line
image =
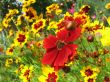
(50, 42)
(62, 35)
(73, 48)
(74, 34)
(50, 57)
(62, 57)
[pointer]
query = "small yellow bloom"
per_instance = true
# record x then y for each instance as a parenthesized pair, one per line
(30, 14)
(105, 39)
(26, 73)
(89, 72)
(19, 69)
(53, 25)
(54, 8)
(21, 38)
(6, 22)
(48, 75)
(107, 6)
(85, 8)
(17, 60)
(38, 25)
(27, 3)
(19, 20)
(8, 62)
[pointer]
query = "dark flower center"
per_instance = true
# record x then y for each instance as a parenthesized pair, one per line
(60, 44)
(26, 74)
(71, 25)
(11, 50)
(90, 80)
(51, 77)
(36, 26)
(86, 9)
(88, 72)
(30, 14)
(21, 38)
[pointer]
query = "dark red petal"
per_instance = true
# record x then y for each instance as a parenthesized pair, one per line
(62, 35)
(50, 42)
(74, 34)
(62, 57)
(50, 57)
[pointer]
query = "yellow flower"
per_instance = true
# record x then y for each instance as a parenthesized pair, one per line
(26, 73)
(86, 79)
(89, 72)
(13, 11)
(17, 60)
(5, 22)
(19, 20)
(19, 69)
(54, 8)
(30, 14)
(85, 8)
(52, 24)
(8, 62)
(38, 25)
(27, 3)
(104, 33)
(21, 38)
(49, 75)
(107, 6)
(9, 51)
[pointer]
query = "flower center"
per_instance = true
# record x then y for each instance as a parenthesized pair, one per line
(51, 77)
(60, 44)
(88, 72)
(71, 25)
(21, 38)
(90, 80)
(30, 14)
(11, 50)
(26, 74)
(36, 26)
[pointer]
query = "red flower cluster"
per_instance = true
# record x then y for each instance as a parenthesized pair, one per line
(59, 48)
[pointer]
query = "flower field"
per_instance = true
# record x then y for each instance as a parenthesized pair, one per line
(54, 40)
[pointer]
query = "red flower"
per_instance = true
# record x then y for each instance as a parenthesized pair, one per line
(59, 48)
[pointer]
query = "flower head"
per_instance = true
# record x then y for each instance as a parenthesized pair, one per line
(89, 72)
(59, 49)
(49, 75)
(30, 14)
(26, 73)
(38, 25)
(107, 6)
(21, 38)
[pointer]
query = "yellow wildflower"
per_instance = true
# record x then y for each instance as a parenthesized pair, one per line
(89, 72)
(8, 62)
(21, 38)
(107, 6)
(38, 25)
(49, 75)
(105, 39)
(26, 73)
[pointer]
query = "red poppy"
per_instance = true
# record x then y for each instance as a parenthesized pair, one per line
(59, 48)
